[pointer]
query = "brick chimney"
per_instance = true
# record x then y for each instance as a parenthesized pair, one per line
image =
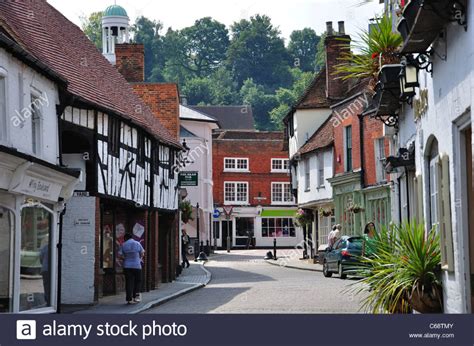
(130, 61)
(163, 100)
(336, 43)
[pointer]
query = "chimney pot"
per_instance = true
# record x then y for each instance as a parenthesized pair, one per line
(329, 28)
(341, 27)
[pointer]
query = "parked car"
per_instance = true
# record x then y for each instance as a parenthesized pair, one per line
(343, 256)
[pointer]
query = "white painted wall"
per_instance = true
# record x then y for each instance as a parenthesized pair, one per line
(306, 122)
(21, 81)
(315, 192)
(450, 94)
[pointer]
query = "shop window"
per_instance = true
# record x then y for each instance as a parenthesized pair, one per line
(325, 226)
(278, 227)
(7, 224)
(35, 258)
(244, 227)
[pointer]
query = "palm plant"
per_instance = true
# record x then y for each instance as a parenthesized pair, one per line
(402, 273)
(376, 47)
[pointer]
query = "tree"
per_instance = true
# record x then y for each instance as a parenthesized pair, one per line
(303, 47)
(321, 53)
(147, 31)
(197, 50)
(287, 97)
(92, 27)
(254, 95)
(258, 51)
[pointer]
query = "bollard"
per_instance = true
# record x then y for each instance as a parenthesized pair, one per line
(201, 246)
(274, 249)
(207, 249)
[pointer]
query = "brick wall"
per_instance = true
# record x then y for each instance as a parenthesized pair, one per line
(336, 46)
(163, 100)
(131, 61)
(260, 154)
(373, 129)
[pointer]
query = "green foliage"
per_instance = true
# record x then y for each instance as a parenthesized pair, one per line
(375, 48)
(320, 62)
(261, 102)
(92, 27)
(186, 209)
(147, 31)
(287, 97)
(302, 48)
(402, 271)
(257, 51)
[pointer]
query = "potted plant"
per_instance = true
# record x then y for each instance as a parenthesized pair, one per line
(186, 209)
(376, 47)
(302, 218)
(402, 274)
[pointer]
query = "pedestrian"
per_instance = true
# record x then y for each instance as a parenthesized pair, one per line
(184, 248)
(332, 236)
(132, 253)
(369, 235)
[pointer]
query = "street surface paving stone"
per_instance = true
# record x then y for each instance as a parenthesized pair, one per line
(242, 282)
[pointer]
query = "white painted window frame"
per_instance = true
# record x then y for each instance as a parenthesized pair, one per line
(282, 161)
(36, 94)
(4, 133)
(282, 202)
(235, 160)
(235, 200)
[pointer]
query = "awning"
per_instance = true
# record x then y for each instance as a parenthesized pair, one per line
(278, 213)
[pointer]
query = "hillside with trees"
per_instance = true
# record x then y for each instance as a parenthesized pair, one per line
(246, 63)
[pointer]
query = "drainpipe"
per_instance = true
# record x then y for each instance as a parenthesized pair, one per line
(60, 255)
(361, 140)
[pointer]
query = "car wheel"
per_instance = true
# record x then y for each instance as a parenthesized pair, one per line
(326, 271)
(341, 274)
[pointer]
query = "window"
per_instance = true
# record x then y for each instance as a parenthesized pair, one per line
(281, 193)
(433, 184)
(321, 180)
(3, 108)
(171, 163)
(156, 158)
(141, 149)
(36, 124)
(280, 165)
(291, 126)
(348, 148)
(236, 164)
(216, 229)
(306, 175)
(244, 226)
(7, 227)
(236, 192)
(380, 159)
(114, 136)
(35, 258)
(278, 227)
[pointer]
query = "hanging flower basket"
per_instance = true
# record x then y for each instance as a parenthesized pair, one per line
(325, 212)
(186, 209)
(302, 218)
(355, 208)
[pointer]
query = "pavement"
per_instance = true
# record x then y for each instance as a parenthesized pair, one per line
(191, 279)
(243, 282)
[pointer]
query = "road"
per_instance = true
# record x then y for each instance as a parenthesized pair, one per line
(243, 283)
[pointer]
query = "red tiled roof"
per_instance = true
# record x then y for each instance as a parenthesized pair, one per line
(315, 94)
(250, 135)
(50, 37)
(322, 138)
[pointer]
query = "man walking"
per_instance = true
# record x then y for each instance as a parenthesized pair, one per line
(184, 248)
(132, 252)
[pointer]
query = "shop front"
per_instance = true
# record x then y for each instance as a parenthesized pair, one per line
(29, 232)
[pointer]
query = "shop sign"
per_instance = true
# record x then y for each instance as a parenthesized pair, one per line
(81, 194)
(188, 179)
(82, 222)
(39, 188)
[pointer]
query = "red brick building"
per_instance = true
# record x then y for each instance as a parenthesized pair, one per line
(251, 183)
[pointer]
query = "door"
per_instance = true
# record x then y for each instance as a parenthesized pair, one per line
(227, 226)
(470, 194)
(6, 245)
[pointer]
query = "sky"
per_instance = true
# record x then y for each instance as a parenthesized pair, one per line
(287, 15)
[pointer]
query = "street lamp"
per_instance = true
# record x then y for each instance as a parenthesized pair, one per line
(408, 81)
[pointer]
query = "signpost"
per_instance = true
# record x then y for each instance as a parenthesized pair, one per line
(188, 178)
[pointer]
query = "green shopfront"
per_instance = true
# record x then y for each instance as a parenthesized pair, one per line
(354, 207)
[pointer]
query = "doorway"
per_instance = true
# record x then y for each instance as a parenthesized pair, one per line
(227, 227)
(470, 200)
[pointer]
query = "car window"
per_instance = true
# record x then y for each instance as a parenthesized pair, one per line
(341, 244)
(355, 243)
